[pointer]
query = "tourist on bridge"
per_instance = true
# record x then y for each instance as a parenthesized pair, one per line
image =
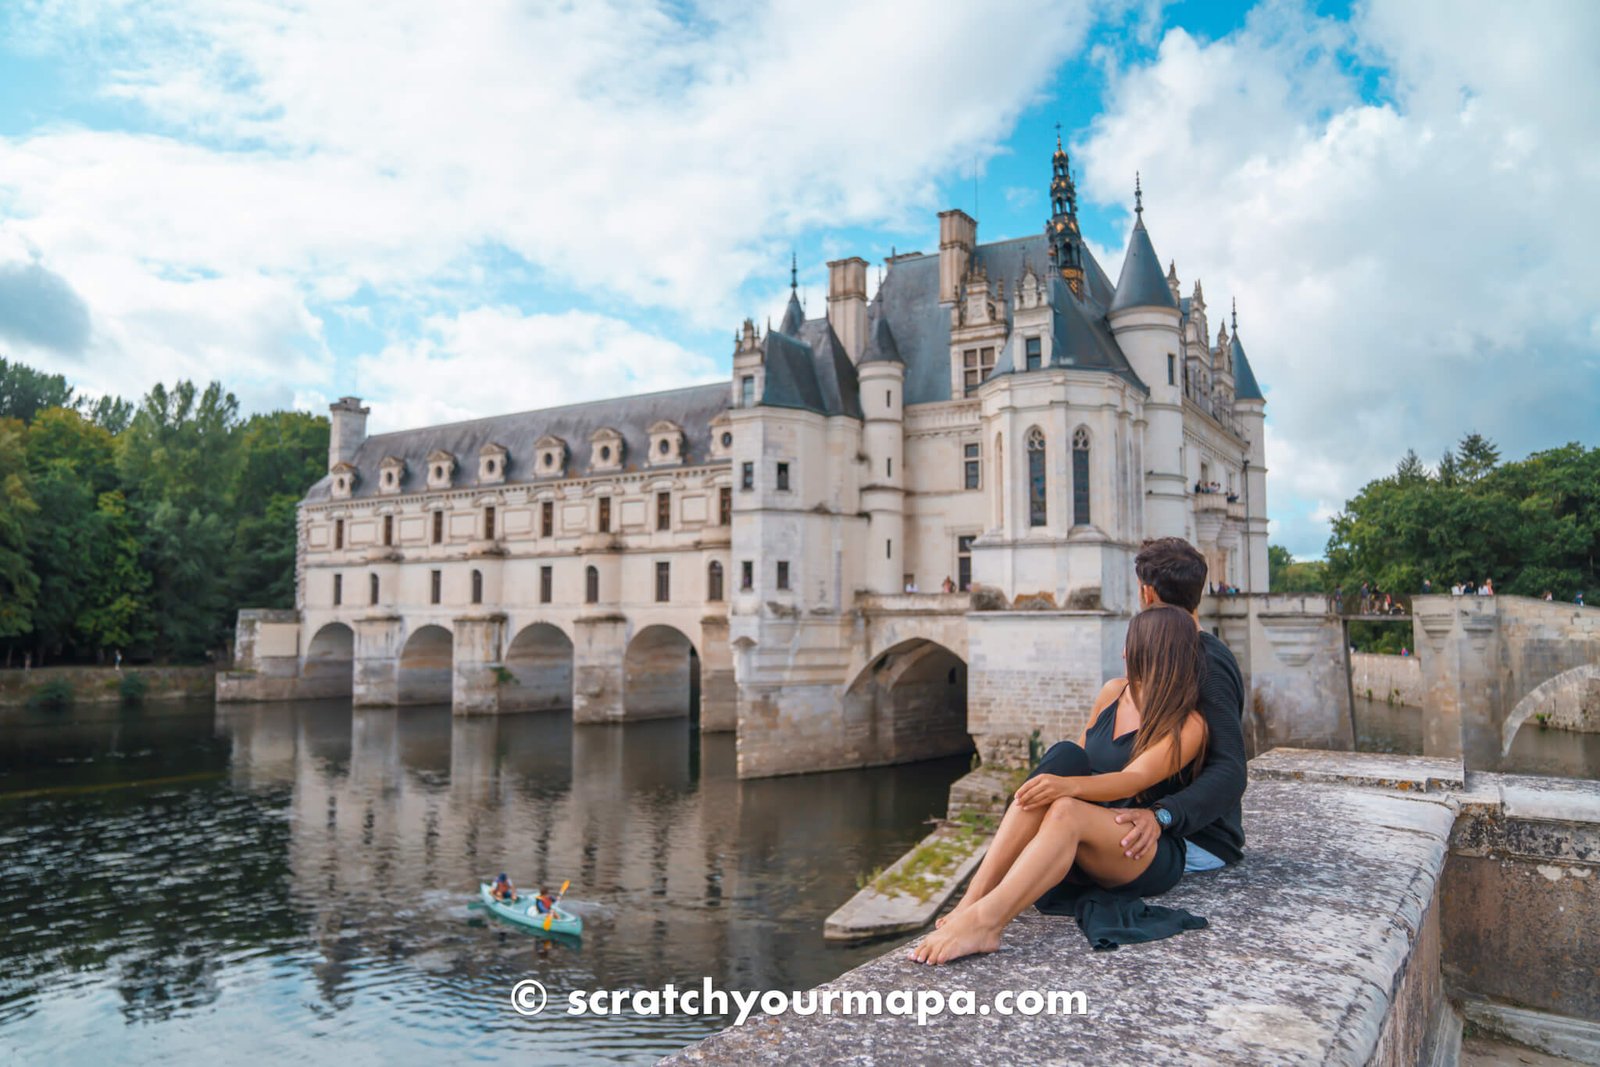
(1488, 588)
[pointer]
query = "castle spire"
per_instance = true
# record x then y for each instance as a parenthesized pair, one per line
(1235, 314)
(794, 271)
(1138, 197)
(1061, 230)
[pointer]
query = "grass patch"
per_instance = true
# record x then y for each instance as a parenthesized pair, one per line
(929, 866)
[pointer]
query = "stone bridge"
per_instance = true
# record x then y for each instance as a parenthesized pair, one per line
(607, 666)
(1489, 664)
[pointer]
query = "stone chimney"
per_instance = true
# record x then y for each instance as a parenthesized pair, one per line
(958, 236)
(347, 421)
(847, 304)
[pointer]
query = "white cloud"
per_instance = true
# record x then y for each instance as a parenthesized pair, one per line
(1406, 270)
(297, 154)
(497, 359)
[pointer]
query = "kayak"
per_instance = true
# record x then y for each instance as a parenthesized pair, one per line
(523, 912)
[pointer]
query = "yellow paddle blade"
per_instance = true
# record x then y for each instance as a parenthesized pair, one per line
(549, 917)
(564, 888)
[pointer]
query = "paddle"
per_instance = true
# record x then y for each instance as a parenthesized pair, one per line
(550, 916)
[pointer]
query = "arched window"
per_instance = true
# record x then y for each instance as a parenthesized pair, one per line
(477, 587)
(1080, 476)
(591, 586)
(1036, 480)
(714, 581)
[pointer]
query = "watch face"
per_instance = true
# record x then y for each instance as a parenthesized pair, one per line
(1163, 816)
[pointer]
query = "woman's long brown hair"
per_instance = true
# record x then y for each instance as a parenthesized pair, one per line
(1163, 653)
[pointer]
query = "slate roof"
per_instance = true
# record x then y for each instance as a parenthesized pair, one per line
(1141, 283)
(809, 369)
(1244, 379)
(631, 416)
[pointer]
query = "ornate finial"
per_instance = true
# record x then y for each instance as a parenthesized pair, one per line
(1235, 314)
(1138, 196)
(794, 271)
(1058, 136)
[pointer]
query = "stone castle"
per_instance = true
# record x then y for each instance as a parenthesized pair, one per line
(903, 527)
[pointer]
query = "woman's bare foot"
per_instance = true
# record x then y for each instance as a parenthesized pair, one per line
(965, 935)
(961, 906)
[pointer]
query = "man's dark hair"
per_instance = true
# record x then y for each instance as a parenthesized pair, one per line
(1175, 569)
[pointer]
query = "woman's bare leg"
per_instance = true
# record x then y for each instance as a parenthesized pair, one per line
(1016, 830)
(1072, 830)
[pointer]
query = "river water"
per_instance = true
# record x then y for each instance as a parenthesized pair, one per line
(1395, 728)
(291, 883)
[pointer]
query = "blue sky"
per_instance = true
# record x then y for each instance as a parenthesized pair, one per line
(459, 212)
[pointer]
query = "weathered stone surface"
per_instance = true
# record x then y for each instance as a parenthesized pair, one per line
(1309, 945)
(1381, 770)
(872, 913)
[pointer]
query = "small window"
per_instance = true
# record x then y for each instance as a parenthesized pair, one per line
(605, 453)
(591, 586)
(436, 586)
(747, 575)
(725, 506)
(663, 582)
(714, 581)
(549, 459)
(972, 462)
(888, 467)
(888, 548)
(664, 447)
(1172, 369)
(747, 476)
(976, 363)
(438, 529)
(547, 581)
(372, 588)
(727, 439)
(888, 398)
(964, 563)
(388, 529)
(1032, 353)
(747, 391)
(663, 511)
(547, 519)
(477, 587)
(338, 533)
(489, 466)
(783, 477)
(488, 523)
(438, 474)
(783, 574)
(338, 589)
(1080, 477)
(605, 514)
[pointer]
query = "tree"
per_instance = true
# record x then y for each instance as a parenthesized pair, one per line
(24, 391)
(19, 586)
(1411, 469)
(1285, 574)
(1476, 456)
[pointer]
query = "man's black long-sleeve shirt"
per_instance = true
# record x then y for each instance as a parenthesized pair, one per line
(1208, 811)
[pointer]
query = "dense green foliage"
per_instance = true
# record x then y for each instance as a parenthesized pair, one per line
(1285, 574)
(142, 529)
(1531, 526)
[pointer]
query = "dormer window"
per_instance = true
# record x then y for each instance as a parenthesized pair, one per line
(606, 450)
(721, 436)
(441, 469)
(666, 444)
(550, 457)
(492, 464)
(391, 474)
(344, 480)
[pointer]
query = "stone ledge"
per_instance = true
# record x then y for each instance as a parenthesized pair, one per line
(1309, 943)
(1418, 774)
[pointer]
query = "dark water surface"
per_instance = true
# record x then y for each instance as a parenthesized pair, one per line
(290, 883)
(1394, 728)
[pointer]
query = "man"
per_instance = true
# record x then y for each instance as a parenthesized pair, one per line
(1206, 814)
(503, 890)
(544, 901)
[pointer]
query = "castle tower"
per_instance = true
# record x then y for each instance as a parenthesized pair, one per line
(347, 425)
(1145, 320)
(882, 378)
(1250, 408)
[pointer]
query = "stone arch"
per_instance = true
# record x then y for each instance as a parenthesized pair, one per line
(426, 666)
(1571, 700)
(539, 660)
(329, 667)
(911, 701)
(660, 674)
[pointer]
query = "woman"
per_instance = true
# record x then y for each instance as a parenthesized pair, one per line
(1145, 739)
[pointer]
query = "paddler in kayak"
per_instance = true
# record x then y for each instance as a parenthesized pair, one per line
(503, 890)
(544, 901)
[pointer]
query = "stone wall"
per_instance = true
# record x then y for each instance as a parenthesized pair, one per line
(103, 685)
(1390, 679)
(1036, 670)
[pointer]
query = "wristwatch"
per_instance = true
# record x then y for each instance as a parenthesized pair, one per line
(1163, 816)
